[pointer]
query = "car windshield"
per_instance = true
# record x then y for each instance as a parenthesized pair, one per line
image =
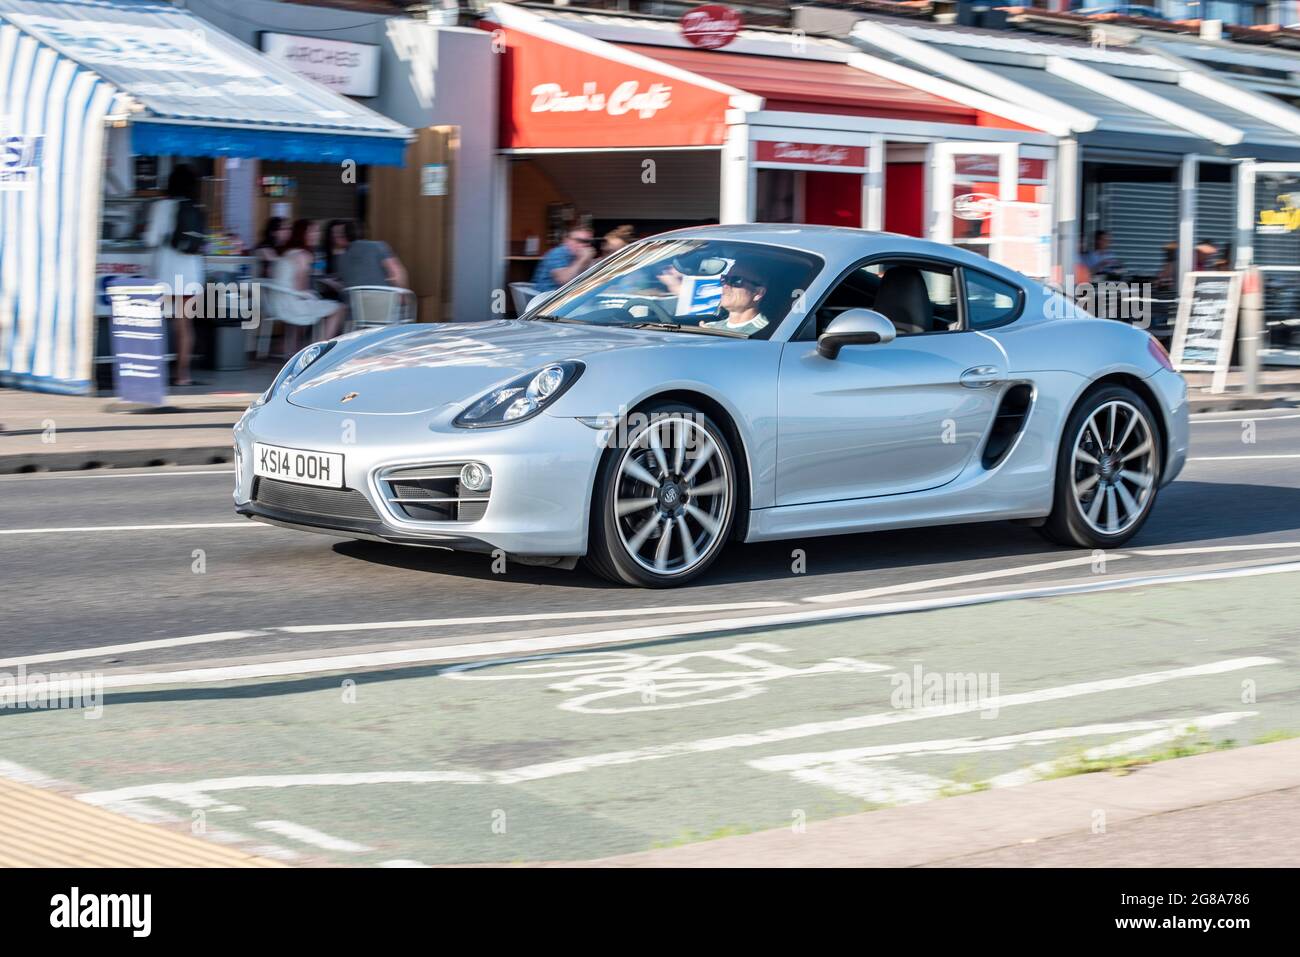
(714, 287)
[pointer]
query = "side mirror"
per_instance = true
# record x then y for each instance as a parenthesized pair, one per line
(855, 327)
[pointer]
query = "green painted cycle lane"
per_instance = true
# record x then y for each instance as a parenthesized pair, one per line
(582, 755)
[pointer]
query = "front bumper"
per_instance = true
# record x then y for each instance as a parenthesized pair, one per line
(542, 469)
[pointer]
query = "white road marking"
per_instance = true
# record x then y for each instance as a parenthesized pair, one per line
(640, 682)
(536, 616)
(1129, 746)
(1215, 549)
(951, 746)
(1242, 458)
(402, 862)
(197, 793)
(860, 773)
(870, 775)
(862, 722)
(315, 838)
(25, 775)
(129, 528)
(962, 579)
(517, 647)
(129, 647)
(874, 782)
(48, 476)
(1211, 417)
(186, 793)
(156, 643)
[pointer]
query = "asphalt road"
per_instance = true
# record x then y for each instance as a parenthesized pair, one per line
(599, 753)
(302, 696)
(110, 582)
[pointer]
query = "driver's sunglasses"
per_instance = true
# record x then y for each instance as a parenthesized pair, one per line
(739, 281)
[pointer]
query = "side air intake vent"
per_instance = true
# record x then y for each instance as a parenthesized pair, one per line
(1012, 412)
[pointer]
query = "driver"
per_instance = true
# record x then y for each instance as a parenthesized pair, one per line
(742, 298)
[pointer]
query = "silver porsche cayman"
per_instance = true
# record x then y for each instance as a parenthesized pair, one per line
(725, 383)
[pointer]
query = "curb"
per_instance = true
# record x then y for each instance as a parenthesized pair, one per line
(1242, 403)
(943, 831)
(116, 459)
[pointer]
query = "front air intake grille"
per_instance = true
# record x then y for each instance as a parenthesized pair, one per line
(432, 493)
(309, 501)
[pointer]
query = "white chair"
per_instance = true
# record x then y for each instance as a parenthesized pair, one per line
(293, 306)
(521, 294)
(380, 306)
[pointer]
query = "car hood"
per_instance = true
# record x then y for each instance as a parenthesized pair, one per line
(423, 367)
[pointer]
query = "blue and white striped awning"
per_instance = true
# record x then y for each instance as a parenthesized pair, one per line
(196, 91)
(52, 116)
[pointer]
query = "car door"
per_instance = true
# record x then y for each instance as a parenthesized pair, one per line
(888, 418)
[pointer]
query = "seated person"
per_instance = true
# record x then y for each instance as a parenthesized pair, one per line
(742, 297)
(565, 261)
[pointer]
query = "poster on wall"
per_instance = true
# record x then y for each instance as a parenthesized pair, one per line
(1206, 328)
(1022, 237)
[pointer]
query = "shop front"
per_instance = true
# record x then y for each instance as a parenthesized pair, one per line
(611, 121)
(1156, 173)
(106, 99)
(1275, 238)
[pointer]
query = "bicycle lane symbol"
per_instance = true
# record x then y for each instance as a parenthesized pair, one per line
(623, 682)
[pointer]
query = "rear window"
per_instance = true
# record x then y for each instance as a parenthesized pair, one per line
(990, 301)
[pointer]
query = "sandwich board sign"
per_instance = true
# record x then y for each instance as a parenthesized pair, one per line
(1206, 328)
(139, 334)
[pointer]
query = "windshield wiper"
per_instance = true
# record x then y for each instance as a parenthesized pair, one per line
(546, 318)
(678, 327)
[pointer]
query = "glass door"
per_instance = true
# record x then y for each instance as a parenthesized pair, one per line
(968, 180)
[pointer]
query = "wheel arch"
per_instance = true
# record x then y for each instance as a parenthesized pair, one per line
(739, 451)
(1143, 391)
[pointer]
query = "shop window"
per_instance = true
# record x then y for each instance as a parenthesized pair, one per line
(990, 301)
(917, 297)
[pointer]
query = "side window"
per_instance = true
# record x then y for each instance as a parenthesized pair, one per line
(990, 301)
(917, 297)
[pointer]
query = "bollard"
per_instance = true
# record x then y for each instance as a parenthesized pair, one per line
(1251, 329)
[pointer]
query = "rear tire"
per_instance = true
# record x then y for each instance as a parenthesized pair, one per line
(1107, 471)
(664, 500)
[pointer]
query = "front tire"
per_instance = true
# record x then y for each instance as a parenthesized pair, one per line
(1107, 471)
(664, 500)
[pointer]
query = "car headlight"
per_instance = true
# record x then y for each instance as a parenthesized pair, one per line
(522, 398)
(294, 368)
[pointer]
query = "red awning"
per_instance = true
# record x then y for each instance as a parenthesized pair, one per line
(559, 96)
(812, 86)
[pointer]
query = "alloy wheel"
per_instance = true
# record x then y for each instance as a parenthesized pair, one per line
(671, 495)
(1114, 467)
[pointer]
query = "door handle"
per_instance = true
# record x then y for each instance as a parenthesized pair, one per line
(981, 377)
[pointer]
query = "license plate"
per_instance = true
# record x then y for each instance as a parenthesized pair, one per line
(323, 469)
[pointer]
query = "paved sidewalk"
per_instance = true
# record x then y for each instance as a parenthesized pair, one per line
(42, 828)
(40, 432)
(1233, 808)
(1278, 387)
